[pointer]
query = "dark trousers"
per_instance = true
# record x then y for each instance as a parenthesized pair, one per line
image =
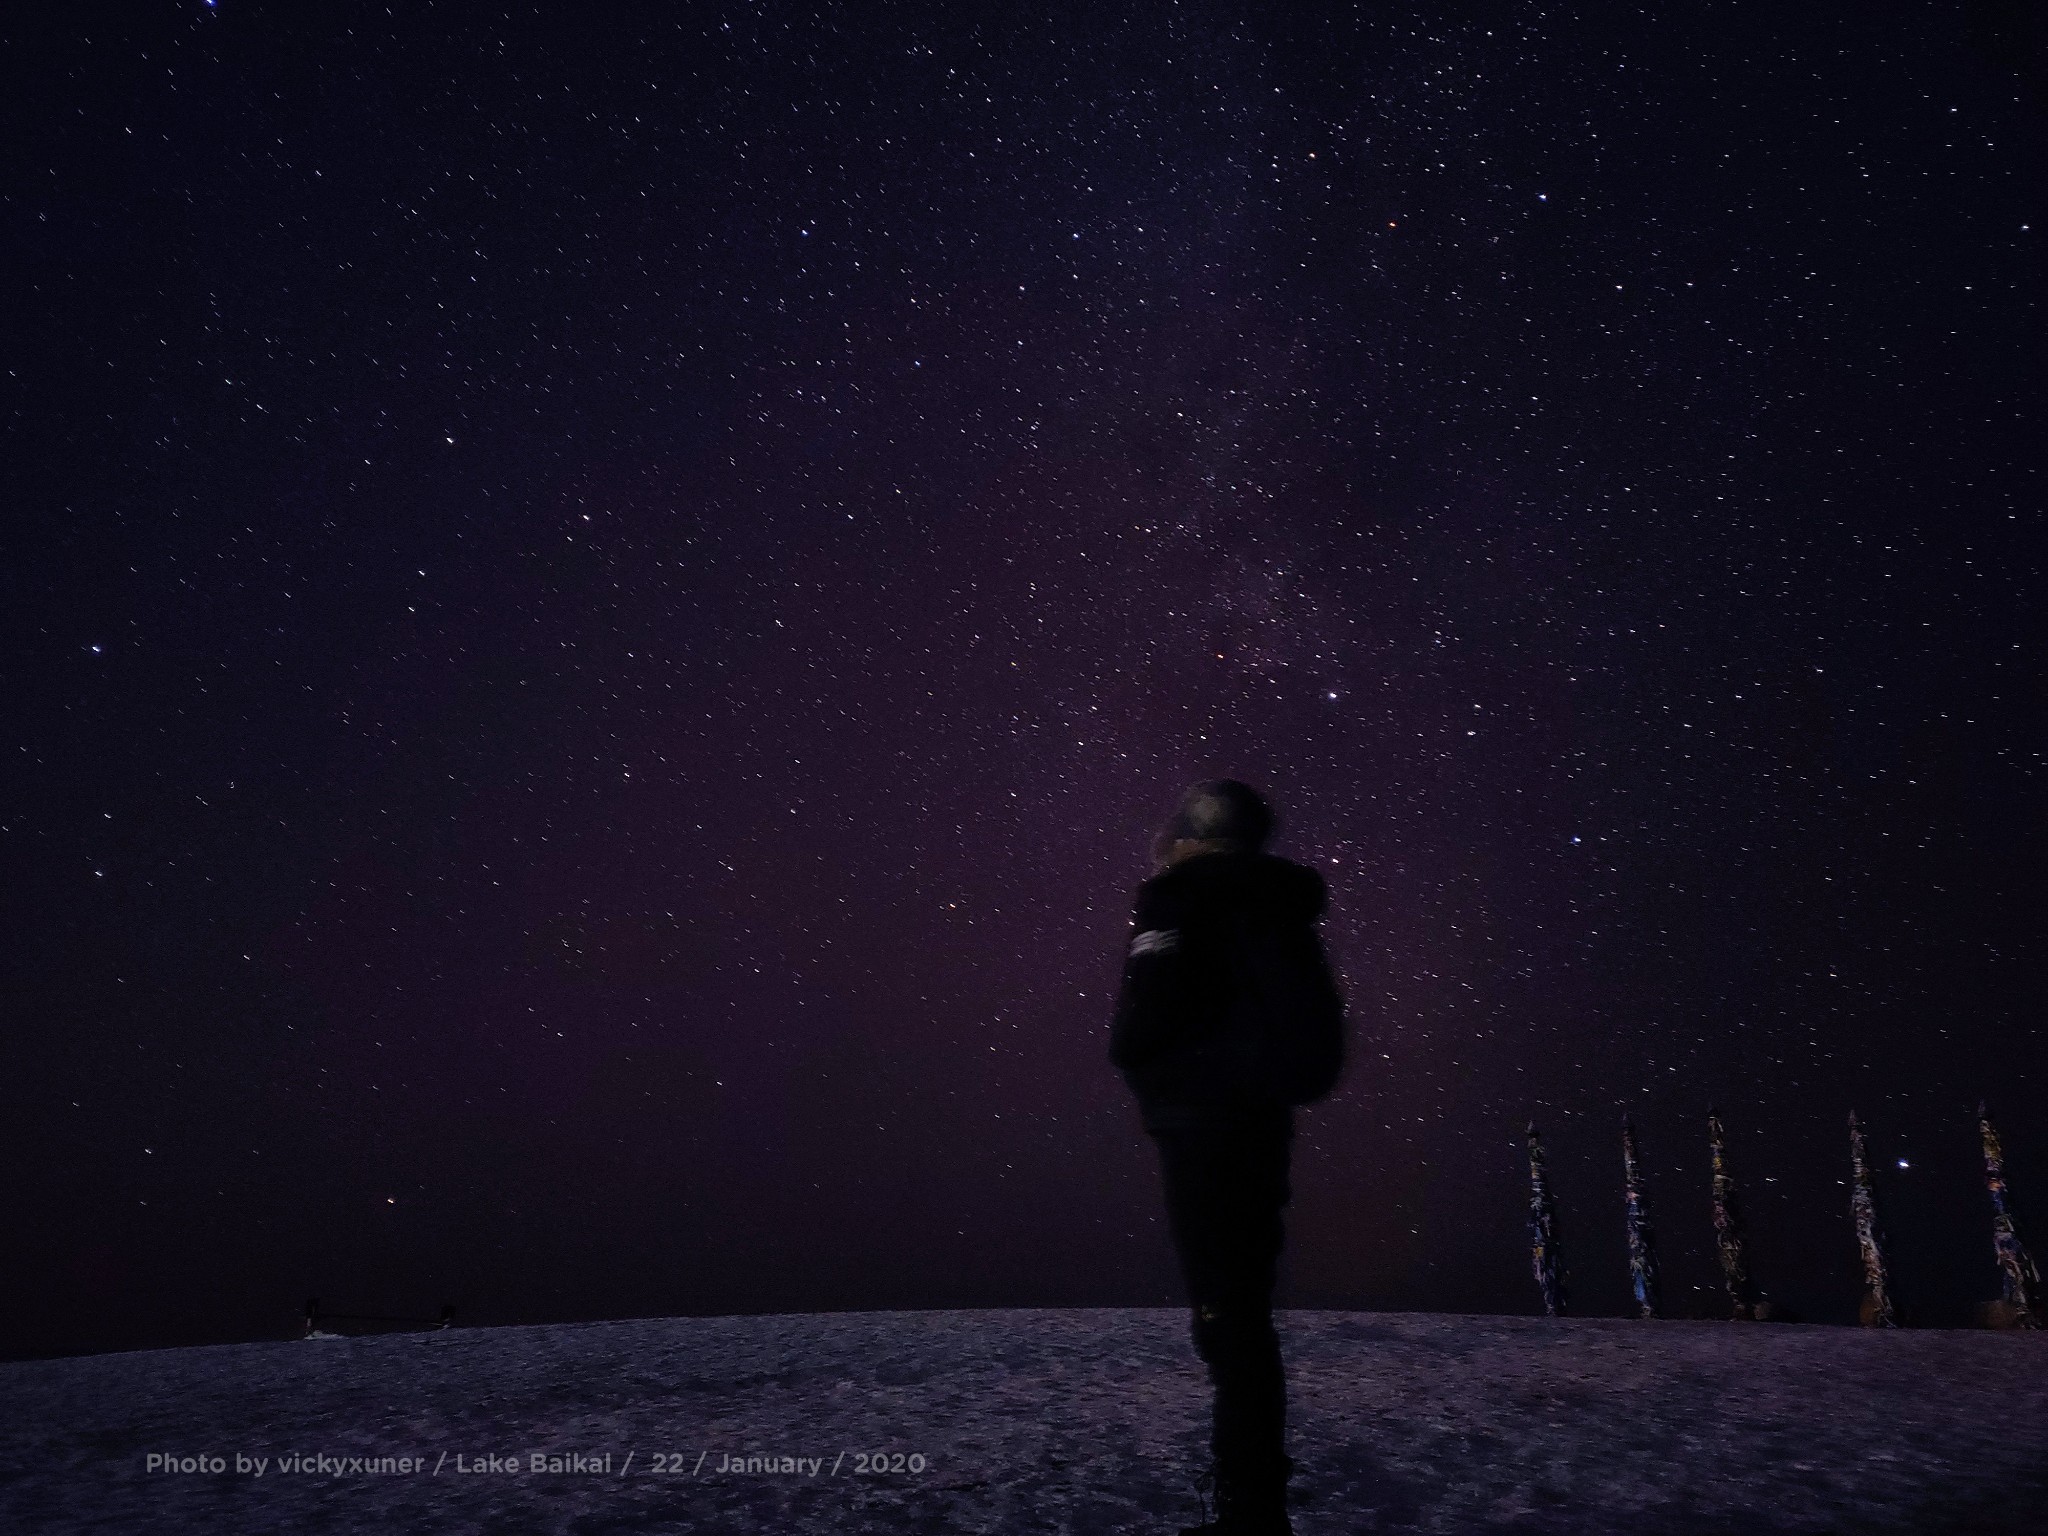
(1225, 1188)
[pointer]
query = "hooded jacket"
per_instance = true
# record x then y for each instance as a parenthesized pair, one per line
(1227, 1012)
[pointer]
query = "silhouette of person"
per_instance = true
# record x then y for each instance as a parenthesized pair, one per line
(1227, 1017)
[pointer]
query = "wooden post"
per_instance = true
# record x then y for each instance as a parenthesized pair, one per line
(1642, 1241)
(1728, 1235)
(1876, 1311)
(1543, 1230)
(2021, 1306)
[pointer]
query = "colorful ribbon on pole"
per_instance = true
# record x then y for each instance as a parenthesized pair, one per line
(1642, 1241)
(1877, 1300)
(1728, 1228)
(2022, 1279)
(1543, 1230)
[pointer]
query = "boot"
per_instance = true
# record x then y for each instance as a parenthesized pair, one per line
(1245, 1506)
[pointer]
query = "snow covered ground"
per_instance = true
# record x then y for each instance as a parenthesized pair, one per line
(1087, 1421)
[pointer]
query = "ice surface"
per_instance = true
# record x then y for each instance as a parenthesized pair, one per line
(1084, 1421)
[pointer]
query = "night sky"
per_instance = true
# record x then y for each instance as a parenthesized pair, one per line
(599, 615)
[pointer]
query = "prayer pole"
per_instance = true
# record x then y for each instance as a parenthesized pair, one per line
(1543, 1230)
(1642, 1242)
(1728, 1228)
(1876, 1311)
(2022, 1305)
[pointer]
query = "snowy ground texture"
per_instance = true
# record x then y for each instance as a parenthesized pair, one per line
(1087, 1421)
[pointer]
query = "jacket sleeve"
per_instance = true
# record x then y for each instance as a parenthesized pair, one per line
(1151, 1004)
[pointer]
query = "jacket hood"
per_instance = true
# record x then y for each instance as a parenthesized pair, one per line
(1265, 880)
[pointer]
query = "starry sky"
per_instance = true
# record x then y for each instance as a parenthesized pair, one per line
(600, 612)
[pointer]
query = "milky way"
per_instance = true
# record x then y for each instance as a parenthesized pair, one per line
(600, 620)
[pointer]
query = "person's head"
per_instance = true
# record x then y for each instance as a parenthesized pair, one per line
(1216, 815)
